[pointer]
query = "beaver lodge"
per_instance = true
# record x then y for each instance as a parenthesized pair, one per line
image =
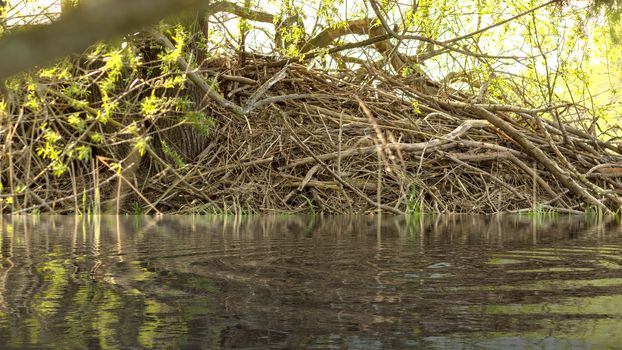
(146, 129)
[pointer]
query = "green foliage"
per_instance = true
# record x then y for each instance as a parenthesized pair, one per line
(3, 111)
(59, 72)
(152, 106)
(200, 121)
(52, 150)
(140, 144)
(137, 209)
(415, 107)
(97, 137)
(112, 68)
(178, 81)
(594, 214)
(612, 9)
(83, 152)
(414, 204)
(541, 214)
(77, 90)
(76, 121)
(172, 154)
(58, 168)
(33, 101)
(183, 104)
(169, 59)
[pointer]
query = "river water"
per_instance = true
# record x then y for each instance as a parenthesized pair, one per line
(361, 282)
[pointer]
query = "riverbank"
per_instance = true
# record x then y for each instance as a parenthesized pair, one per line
(269, 136)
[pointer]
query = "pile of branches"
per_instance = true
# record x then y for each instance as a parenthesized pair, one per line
(287, 138)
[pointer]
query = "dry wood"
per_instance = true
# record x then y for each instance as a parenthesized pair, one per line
(319, 141)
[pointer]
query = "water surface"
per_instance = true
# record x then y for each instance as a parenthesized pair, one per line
(450, 282)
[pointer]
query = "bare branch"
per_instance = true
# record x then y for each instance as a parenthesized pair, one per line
(196, 78)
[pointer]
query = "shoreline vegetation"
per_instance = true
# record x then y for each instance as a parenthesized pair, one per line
(157, 125)
(314, 142)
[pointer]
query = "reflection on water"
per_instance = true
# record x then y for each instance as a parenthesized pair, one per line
(453, 282)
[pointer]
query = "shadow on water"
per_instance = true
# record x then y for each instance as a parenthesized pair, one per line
(448, 282)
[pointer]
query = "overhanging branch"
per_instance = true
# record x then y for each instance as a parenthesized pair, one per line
(95, 21)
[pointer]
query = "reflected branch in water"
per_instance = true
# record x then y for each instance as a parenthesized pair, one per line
(300, 281)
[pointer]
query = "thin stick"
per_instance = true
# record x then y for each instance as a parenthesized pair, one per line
(295, 138)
